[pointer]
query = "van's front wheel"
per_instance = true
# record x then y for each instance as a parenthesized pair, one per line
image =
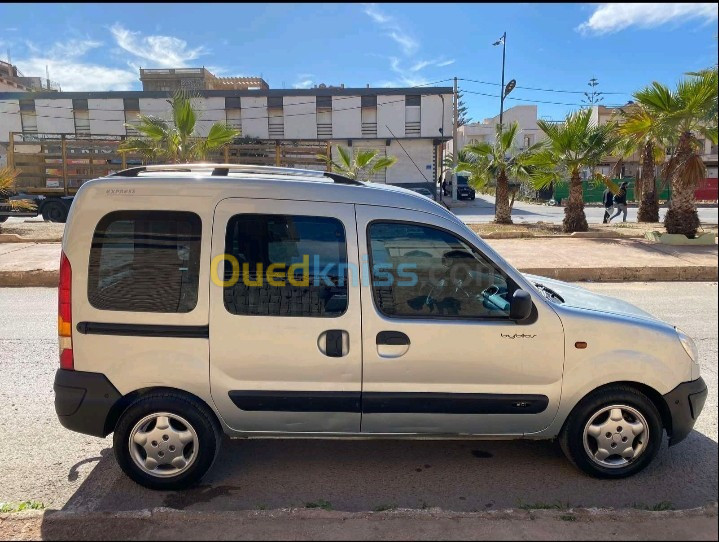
(166, 441)
(612, 433)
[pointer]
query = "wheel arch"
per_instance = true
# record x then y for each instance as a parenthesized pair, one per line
(654, 396)
(122, 404)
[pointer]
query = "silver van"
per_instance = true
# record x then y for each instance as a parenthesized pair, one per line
(199, 299)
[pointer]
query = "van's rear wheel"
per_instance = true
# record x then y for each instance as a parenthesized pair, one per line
(612, 433)
(166, 441)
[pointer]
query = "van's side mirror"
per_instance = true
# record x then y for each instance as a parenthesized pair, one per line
(520, 307)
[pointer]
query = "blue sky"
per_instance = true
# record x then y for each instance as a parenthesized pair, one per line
(549, 46)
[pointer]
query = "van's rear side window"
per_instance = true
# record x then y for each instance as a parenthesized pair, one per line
(145, 261)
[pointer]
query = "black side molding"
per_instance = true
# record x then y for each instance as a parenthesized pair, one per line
(452, 403)
(144, 330)
(388, 403)
(297, 401)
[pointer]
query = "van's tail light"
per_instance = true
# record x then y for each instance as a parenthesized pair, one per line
(64, 314)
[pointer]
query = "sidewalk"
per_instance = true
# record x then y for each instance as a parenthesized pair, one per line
(303, 524)
(600, 260)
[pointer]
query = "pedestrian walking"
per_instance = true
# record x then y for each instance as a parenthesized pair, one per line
(608, 200)
(620, 202)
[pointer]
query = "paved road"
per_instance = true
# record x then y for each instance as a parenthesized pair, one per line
(482, 210)
(40, 460)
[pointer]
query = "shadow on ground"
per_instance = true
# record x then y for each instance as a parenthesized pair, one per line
(374, 475)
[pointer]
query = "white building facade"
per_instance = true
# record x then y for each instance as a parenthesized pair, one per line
(485, 132)
(408, 123)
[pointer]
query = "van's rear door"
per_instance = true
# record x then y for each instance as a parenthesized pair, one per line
(285, 327)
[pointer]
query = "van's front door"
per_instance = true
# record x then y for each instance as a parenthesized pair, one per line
(441, 355)
(285, 327)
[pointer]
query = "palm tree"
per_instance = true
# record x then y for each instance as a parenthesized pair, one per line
(500, 161)
(176, 142)
(688, 110)
(643, 131)
(571, 146)
(361, 167)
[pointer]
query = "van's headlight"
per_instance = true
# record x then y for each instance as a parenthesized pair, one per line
(689, 345)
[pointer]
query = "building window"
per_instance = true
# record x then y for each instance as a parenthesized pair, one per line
(412, 116)
(276, 120)
(81, 116)
(28, 117)
(424, 272)
(132, 114)
(285, 266)
(233, 113)
(145, 261)
(369, 116)
(324, 117)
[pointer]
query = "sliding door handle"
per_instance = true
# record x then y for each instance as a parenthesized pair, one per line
(334, 343)
(392, 338)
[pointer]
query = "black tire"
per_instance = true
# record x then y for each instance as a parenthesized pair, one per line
(55, 211)
(571, 438)
(472, 198)
(197, 415)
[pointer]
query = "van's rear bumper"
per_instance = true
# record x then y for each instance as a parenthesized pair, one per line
(83, 401)
(685, 403)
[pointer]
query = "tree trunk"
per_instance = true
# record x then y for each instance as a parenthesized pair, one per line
(503, 214)
(682, 214)
(574, 217)
(649, 203)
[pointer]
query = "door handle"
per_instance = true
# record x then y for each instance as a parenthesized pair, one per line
(334, 343)
(392, 338)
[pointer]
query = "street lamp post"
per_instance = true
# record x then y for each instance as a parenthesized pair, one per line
(503, 42)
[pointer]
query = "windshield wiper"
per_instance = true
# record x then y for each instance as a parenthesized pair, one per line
(549, 293)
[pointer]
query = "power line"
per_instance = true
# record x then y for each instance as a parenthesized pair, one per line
(542, 89)
(529, 101)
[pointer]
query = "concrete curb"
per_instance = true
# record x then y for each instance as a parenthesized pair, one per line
(434, 523)
(690, 273)
(15, 238)
(28, 279)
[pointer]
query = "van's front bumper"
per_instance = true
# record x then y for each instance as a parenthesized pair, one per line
(83, 401)
(685, 403)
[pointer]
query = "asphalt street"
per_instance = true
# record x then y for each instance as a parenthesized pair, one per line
(482, 210)
(40, 460)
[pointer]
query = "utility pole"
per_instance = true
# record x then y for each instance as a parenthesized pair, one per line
(503, 41)
(455, 150)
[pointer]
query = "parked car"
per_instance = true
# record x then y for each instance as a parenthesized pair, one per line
(197, 300)
(464, 190)
(424, 192)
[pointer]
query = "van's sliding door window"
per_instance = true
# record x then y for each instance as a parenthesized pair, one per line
(144, 261)
(281, 265)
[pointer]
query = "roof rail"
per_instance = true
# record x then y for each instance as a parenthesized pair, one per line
(222, 170)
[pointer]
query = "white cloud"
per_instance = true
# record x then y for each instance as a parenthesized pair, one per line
(306, 83)
(444, 63)
(609, 18)
(377, 16)
(67, 67)
(162, 51)
(392, 29)
(408, 44)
